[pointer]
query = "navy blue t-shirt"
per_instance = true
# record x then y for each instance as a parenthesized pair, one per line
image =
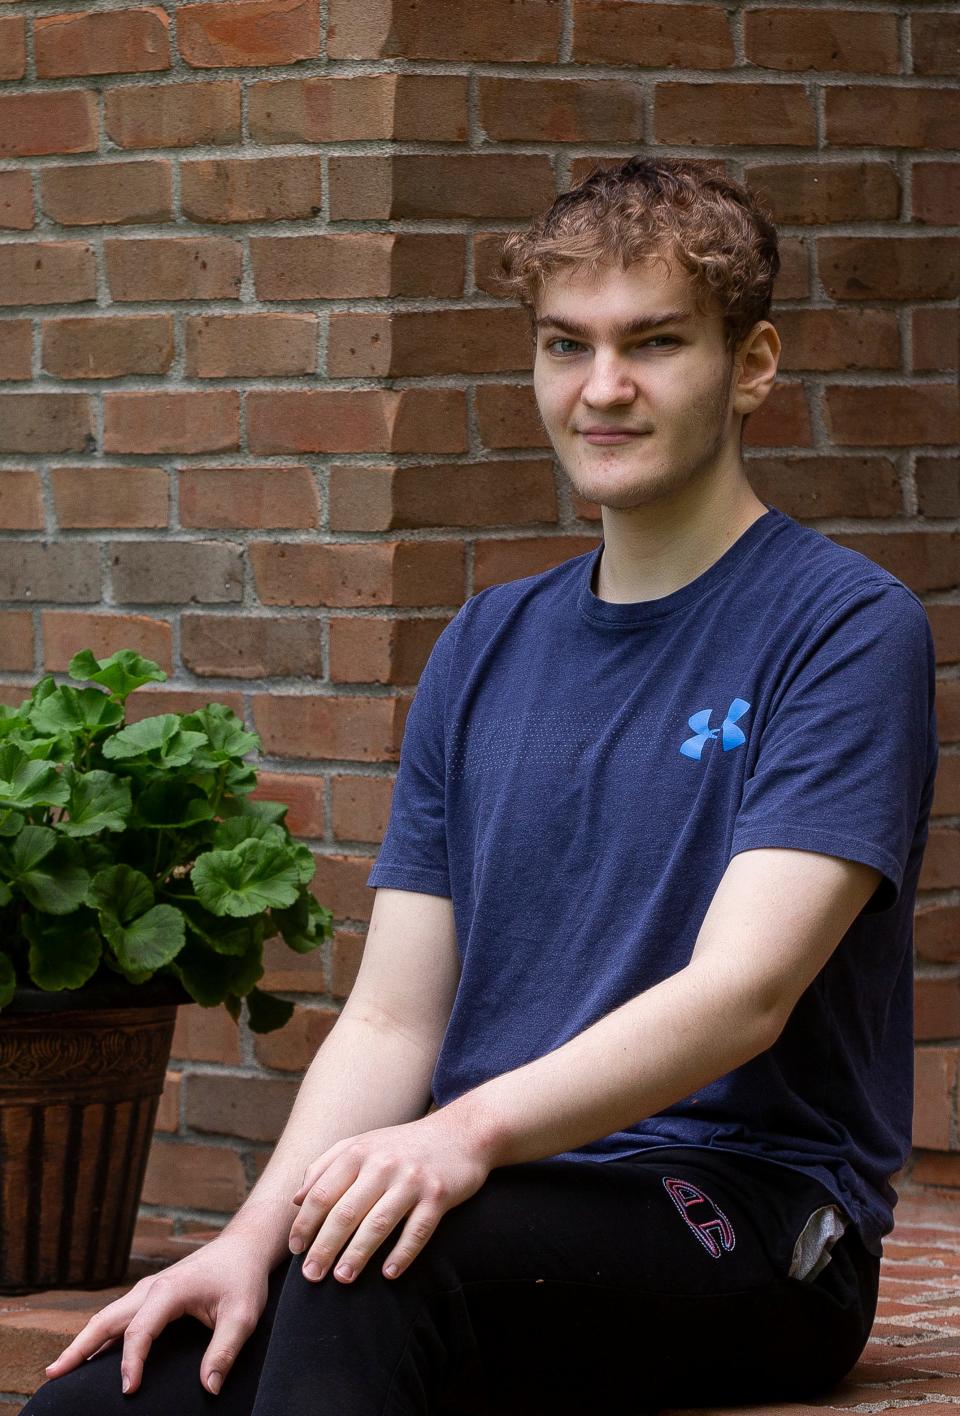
(576, 774)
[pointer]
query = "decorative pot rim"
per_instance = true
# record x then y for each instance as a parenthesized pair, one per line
(157, 991)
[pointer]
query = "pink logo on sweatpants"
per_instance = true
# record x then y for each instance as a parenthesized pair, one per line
(703, 1215)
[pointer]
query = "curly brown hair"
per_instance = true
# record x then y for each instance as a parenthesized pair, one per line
(659, 208)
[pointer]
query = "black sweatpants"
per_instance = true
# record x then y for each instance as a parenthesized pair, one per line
(559, 1287)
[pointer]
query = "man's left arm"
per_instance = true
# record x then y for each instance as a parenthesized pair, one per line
(773, 922)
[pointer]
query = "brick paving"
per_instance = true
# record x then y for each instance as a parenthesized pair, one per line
(910, 1364)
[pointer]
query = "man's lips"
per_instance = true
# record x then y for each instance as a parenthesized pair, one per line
(611, 435)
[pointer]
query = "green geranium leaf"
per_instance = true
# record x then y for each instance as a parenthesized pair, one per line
(148, 942)
(223, 935)
(157, 741)
(25, 784)
(8, 980)
(50, 749)
(272, 811)
(13, 720)
(305, 924)
(265, 1013)
(61, 955)
(226, 736)
(68, 710)
(173, 802)
(304, 861)
(121, 673)
(11, 823)
(99, 801)
(120, 893)
(6, 894)
(242, 828)
(252, 877)
(40, 865)
(210, 978)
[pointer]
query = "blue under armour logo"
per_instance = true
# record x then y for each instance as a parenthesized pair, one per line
(730, 734)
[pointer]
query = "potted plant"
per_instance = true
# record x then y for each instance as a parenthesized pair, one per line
(135, 874)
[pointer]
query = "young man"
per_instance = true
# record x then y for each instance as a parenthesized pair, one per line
(642, 928)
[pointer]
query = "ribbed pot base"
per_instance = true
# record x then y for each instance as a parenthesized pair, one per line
(78, 1098)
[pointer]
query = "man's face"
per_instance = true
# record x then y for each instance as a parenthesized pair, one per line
(662, 388)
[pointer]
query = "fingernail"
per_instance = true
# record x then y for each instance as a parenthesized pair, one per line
(214, 1382)
(344, 1271)
(296, 1246)
(391, 1270)
(312, 1270)
(126, 1384)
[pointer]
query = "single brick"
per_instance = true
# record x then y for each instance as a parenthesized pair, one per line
(793, 281)
(248, 346)
(782, 421)
(507, 416)
(289, 972)
(185, 268)
(346, 576)
(112, 42)
(251, 646)
(47, 273)
(443, 186)
(45, 422)
(935, 339)
(356, 420)
(361, 805)
(892, 116)
(935, 41)
(414, 342)
(248, 32)
(109, 194)
(32, 124)
(248, 498)
(108, 346)
(719, 113)
(67, 632)
(66, 572)
(13, 47)
(924, 560)
(353, 728)
(250, 189)
(561, 110)
(486, 30)
(409, 107)
(810, 193)
(498, 560)
(892, 415)
(16, 201)
(935, 1077)
(16, 349)
(302, 793)
(16, 641)
(651, 36)
(890, 267)
(938, 491)
(936, 193)
(825, 40)
(256, 1110)
(110, 496)
(361, 264)
(442, 494)
(206, 1035)
(173, 115)
(183, 1173)
(369, 649)
(819, 486)
(186, 421)
(176, 572)
(838, 339)
(21, 500)
(293, 1047)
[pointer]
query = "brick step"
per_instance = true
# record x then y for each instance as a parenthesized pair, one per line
(911, 1362)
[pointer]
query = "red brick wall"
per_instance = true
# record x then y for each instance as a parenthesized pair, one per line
(263, 419)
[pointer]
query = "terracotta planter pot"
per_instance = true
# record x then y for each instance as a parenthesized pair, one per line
(81, 1074)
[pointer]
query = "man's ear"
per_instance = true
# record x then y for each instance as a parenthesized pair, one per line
(755, 367)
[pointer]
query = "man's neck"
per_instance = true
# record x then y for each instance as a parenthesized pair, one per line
(652, 551)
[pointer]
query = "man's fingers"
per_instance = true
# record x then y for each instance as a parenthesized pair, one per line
(233, 1328)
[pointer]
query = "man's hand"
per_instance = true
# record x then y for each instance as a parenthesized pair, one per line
(364, 1185)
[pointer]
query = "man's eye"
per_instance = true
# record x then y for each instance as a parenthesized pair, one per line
(663, 338)
(554, 342)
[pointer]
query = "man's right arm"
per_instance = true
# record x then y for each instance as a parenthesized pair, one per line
(374, 1068)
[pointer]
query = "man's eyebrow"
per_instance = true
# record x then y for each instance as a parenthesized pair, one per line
(635, 326)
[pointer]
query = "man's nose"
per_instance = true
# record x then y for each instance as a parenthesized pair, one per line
(608, 382)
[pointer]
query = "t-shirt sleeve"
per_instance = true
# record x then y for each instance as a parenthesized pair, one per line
(413, 853)
(849, 746)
